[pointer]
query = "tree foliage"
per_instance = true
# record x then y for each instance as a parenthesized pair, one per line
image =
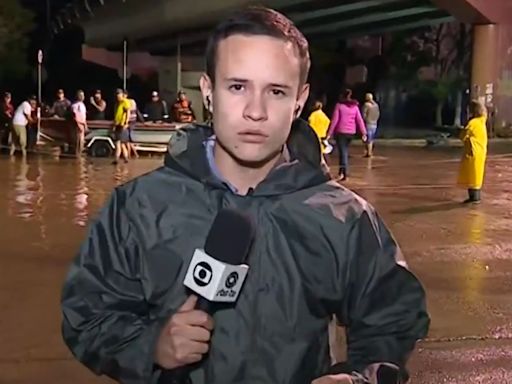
(434, 60)
(15, 24)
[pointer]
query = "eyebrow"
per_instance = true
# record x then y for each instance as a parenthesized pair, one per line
(245, 81)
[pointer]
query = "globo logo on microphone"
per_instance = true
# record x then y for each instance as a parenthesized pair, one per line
(231, 280)
(202, 274)
(214, 280)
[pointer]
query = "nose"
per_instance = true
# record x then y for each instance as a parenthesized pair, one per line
(256, 108)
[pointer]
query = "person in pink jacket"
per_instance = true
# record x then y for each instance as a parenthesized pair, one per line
(345, 121)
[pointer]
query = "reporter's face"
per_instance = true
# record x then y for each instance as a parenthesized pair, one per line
(256, 94)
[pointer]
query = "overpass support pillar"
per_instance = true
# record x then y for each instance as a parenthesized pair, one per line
(491, 74)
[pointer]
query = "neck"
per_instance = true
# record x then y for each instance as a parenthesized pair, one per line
(242, 176)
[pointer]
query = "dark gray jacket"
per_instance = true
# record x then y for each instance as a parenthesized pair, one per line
(320, 250)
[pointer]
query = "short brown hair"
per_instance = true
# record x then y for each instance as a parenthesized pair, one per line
(258, 21)
(477, 109)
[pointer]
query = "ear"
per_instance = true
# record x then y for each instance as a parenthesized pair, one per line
(301, 100)
(206, 86)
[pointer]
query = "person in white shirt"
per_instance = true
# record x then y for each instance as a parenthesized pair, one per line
(22, 117)
(80, 118)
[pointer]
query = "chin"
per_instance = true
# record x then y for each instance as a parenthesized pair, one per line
(254, 158)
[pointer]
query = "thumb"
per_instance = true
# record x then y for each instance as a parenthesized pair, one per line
(189, 304)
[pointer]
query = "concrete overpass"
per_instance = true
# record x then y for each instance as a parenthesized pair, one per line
(170, 34)
(157, 26)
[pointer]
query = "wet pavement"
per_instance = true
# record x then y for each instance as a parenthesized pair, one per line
(462, 254)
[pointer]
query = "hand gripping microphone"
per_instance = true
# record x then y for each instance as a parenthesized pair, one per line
(217, 273)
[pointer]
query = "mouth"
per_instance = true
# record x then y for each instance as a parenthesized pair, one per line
(253, 136)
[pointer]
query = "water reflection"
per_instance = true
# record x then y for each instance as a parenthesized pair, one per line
(26, 197)
(46, 191)
(121, 174)
(476, 271)
(27, 194)
(476, 224)
(81, 194)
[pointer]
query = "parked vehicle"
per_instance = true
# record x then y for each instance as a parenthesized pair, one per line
(147, 137)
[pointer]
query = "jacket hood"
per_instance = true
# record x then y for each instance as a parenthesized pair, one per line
(187, 154)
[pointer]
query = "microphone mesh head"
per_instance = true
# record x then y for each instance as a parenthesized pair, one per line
(230, 237)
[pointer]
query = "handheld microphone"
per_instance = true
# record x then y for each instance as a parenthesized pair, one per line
(217, 273)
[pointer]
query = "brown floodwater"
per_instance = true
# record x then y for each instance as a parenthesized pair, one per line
(462, 254)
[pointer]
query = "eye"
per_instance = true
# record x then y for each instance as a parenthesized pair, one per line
(278, 92)
(236, 87)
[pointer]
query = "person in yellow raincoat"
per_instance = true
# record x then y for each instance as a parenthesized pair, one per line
(319, 121)
(474, 138)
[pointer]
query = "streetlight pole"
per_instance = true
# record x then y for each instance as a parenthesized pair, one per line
(39, 90)
(125, 62)
(39, 75)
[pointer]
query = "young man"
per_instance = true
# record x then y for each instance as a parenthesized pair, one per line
(156, 110)
(97, 106)
(61, 106)
(22, 117)
(182, 109)
(371, 114)
(80, 119)
(320, 249)
(121, 126)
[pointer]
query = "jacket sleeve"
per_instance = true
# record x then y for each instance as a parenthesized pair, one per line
(467, 132)
(334, 121)
(384, 309)
(106, 320)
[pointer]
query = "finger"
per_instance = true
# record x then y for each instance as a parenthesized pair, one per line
(195, 318)
(191, 359)
(196, 347)
(185, 348)
(189, 304)
(195, 333)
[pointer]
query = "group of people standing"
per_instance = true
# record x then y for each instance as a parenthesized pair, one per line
(15, 124)
(346, 120)
(156, 109)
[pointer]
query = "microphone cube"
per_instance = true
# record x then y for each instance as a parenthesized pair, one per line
(214, 280)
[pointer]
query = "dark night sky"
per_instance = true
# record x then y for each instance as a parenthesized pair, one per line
(62, 51)
(63, 59)
(45, 12)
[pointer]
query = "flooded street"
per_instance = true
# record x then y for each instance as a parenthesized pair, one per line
(462, 254)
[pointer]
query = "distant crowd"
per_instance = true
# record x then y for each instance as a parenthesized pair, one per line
(16, 123)
(156, 110)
